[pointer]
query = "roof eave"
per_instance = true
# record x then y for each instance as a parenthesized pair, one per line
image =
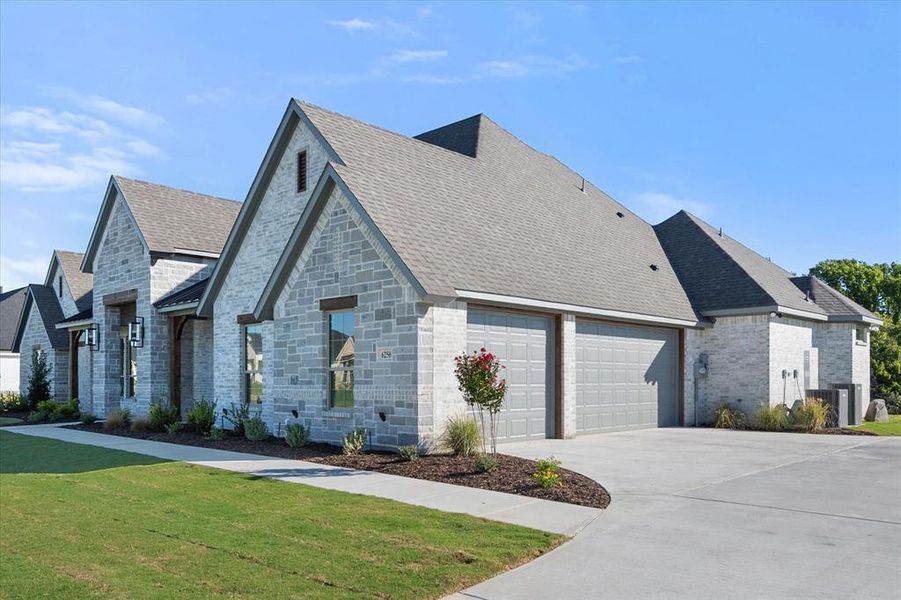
(759, 310)
(81, 324)
(856, 319)
(182, 307)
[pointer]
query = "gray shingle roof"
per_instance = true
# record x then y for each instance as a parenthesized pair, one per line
(10, 308)
(47, 302)
(81, 284)
(84, 315)
(192, 293)
(512, 221)
(719, 273)
(174, 220)
(833, 302)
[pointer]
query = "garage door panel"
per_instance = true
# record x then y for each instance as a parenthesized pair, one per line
(626, 377)
(522, 344)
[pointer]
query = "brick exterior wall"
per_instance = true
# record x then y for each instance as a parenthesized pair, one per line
(447, 339)
(255, 260)
(842, 358)
(35, 335)
(342, 259)
(568, 341)
(790, 339)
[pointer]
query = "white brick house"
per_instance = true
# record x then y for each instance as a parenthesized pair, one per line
(363, 261)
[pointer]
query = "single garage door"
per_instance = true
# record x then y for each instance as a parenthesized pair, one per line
(625, 377)
(524, 344)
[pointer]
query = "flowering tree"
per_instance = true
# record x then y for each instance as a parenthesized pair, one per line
(478, 376)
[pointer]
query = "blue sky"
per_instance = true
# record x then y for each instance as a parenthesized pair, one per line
(780, 123)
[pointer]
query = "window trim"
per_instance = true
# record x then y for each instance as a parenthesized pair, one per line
(128, 381)
(245, 392)
(303, 162)
(862, 329)
(330, 370)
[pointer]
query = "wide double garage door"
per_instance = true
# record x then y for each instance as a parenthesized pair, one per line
(625, 375)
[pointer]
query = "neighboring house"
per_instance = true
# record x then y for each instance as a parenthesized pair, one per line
(152, 247)
(363, 261)
(10, 308)
(66, 291)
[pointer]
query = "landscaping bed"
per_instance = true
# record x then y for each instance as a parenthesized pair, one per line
(513, 475)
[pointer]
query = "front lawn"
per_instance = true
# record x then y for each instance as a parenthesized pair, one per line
(82, 521)
(892, 427)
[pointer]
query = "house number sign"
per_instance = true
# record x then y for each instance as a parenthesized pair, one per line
(383, 354)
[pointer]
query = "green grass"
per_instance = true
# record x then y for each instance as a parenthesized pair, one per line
(892, 427)
(85, 522)
(9, 420)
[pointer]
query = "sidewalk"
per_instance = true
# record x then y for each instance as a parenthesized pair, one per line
(555, 517)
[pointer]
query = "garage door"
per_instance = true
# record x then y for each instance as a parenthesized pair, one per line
(625, 377)
(524, 345)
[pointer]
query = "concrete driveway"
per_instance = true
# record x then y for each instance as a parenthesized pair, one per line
(700, 513)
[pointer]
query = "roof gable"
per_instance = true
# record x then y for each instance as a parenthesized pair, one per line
(80, 283)
(11, 303)
(44, 299)
(833, 302)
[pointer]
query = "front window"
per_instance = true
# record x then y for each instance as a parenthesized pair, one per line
(128, 366)
(341, 358)
(253, 364)
(862, 333)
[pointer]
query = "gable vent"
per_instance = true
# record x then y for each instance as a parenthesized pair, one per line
(302, 171)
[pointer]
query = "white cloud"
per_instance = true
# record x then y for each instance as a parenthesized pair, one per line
(352, 24)
(408, 56)
(628, 59)
(15, 273)
(533, 65)
(658, 206)
(216, 96)
(502, 68)
(106, 108)
(387, 27)
(435, 79)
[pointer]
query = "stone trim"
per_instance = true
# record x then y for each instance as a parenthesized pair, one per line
(119, 298)
(247, 319)
(338, 303)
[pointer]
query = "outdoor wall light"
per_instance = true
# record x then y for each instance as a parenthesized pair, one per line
(92, 338)
(294, 412)
(136, 333)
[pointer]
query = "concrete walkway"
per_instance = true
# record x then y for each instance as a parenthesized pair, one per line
(702, 513)
(555, 517)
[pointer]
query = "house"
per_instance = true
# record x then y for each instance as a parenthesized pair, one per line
(66, 292)
(362, 261)
(10, 307)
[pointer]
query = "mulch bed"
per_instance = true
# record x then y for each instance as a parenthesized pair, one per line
(513, 476)
(15, 414)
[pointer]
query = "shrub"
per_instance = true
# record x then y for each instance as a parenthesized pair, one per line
(409, 453)
(217, 434)
(810, 415)
(771, 418)
(478, 377)
(237, 415)
(47, 407)
(462, 436)
(68, 410)
(726, 417)
(354, 441)
(140, 424)
(117, 419)
(39, 380)
(546, 473)
(88, 418)
(202, 416)
(296, 435)
(36, 416)
(161, 416)
(486, 463)
(13, 401)
(255, 429)
(173, 428)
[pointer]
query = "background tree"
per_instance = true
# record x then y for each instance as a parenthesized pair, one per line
(876, 287)
(39, 380)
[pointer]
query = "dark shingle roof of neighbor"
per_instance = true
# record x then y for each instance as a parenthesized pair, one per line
(84, 315)
(51, 313)
(173, 220)
(10, 308)
(719, 273)
(80, 284)
(512, 221)
(829, 299)
(192, 293)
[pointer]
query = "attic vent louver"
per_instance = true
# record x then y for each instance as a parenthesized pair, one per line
(619, 214)
(653, 267)
(582, 186)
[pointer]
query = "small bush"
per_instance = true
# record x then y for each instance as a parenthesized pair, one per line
(354, 441)
(68, 410)
(486, 463)
(140, 424)
(217, 434)
(13, 401)
(296, 435)
(173, 428)
(88, 418)
(202, 416)
(546, 473)
(409, 453)
(161, 416)
(810, 415)
(462, 436)
(117, 419)
(771, 418)
(726, 417)
(255, 429)
(48, 407)
(237, 415)
(39, 380)
(37, 416)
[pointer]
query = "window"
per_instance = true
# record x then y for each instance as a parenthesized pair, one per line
(302, 171)
(128, 366)
(341, 358)
(253, 364)
(862, 333)
(60, 286)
